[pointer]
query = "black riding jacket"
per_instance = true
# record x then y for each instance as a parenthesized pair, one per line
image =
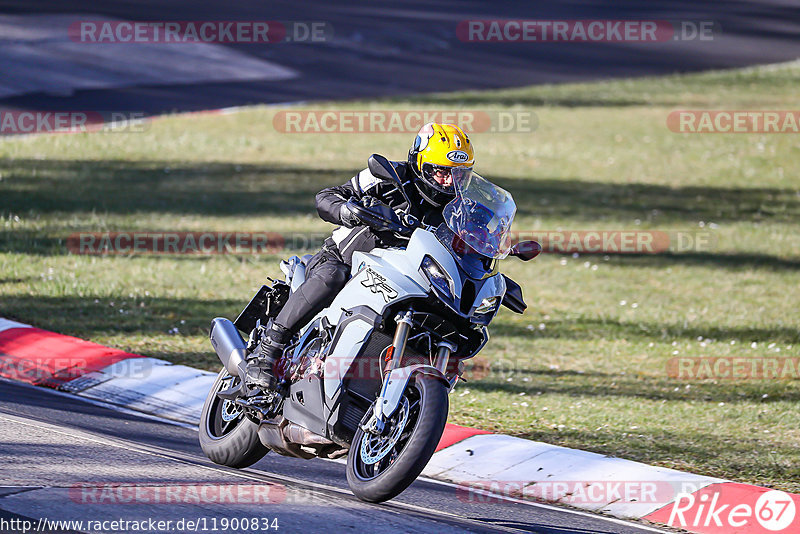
(344, 240)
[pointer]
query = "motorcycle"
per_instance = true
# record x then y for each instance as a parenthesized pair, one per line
(369, 376)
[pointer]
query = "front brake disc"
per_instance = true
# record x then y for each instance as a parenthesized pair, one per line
(375, 448)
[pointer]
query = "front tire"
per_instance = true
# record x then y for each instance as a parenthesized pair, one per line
(379, 469)
(227, 436)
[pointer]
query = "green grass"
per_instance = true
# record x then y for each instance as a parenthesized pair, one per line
(580, 368)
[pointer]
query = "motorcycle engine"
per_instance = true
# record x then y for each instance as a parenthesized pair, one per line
(310, 361)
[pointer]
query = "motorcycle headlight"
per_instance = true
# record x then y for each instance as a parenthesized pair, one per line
(437, 276)
(487, 305)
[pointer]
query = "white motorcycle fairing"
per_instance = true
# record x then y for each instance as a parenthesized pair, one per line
(382, 278)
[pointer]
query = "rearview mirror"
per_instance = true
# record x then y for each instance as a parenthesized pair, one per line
(526, 250)
(381, 167)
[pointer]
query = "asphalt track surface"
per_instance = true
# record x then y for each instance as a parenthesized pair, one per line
(53, 442)
(371, 49)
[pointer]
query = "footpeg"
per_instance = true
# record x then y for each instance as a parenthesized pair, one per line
(232, 392)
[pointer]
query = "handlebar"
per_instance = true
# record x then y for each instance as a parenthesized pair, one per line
(378, 221)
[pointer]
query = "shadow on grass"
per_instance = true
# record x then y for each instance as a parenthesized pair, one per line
(32, 242)
(730, 261)
(598, 384)
(34, 187)
(529, 98)
(14, 280)
(595, 328)
(219, 189)
(128, 187)
(658, 204)
(733, 261)
(92, 315)
(138, 318)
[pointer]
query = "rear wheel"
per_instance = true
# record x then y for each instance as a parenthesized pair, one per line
(227, 436)
(381, 467)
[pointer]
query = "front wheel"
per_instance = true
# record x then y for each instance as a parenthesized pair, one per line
(381, 467)
(227, 436)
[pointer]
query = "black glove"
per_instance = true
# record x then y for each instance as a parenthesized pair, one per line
(347, 216)
(368, 201)
(381, 208)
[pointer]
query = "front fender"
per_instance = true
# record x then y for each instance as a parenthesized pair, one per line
(396, 382)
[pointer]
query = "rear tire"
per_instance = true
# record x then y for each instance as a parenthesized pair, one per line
(426, 403)
(227, 436)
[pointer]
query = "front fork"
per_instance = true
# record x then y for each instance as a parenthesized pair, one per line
(394, 358)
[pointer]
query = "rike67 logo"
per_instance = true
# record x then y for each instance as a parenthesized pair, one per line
(731, 508)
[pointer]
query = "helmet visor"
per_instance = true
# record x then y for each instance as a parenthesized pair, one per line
(443, 178)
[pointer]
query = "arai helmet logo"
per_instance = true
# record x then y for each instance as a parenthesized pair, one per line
(457, 156)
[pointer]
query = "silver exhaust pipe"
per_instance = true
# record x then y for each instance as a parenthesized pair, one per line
(228, 345)
(291, 439)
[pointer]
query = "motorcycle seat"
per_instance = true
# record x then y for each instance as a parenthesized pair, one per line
(295, 270)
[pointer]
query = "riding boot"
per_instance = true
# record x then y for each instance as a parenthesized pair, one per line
(261, 367)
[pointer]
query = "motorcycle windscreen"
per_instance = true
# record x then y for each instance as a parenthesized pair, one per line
(481, 214)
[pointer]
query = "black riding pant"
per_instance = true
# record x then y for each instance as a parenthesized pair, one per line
(326, 275)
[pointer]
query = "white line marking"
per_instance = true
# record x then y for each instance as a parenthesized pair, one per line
(168, 454)
(111, 406)
(247, 474)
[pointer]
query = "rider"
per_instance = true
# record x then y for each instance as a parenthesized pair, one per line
(427, 180)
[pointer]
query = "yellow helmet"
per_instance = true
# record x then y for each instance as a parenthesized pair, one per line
(441, 155)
